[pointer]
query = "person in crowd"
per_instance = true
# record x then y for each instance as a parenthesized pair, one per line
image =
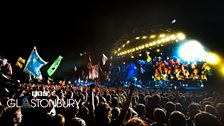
(159, 116)
(6, 67)
(177, 118)
(114, 106)
(7, 82)
(141, 110)
(220, 110)
(12, 117)
(72, 118)
(115, 113)
(169, 107)
(135, 122)
(206, 119)
(211, 109)
(58, 120)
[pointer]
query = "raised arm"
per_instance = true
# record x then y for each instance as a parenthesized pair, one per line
(126, 105)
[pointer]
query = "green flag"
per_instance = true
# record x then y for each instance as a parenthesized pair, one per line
(54, 66)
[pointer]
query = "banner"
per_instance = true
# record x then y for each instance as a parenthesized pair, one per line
(20, 62)
(104, 59)
(54, 66)
(34, 64)
(148, 58)
(94, 72)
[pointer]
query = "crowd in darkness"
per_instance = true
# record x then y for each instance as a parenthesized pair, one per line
(111, 106)
(98, 105)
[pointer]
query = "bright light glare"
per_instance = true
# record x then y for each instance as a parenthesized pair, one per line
(181, 36)
(212, 58)
(222, 70)
(191, 51)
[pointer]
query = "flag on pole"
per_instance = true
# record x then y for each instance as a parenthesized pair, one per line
(54, 66)
(9, 68)
(89, 67)
(94, 72)
(89, 64)
(34, 64)
(20, 62)
(148, 57)
(89, 60)
(20, 65)
(104, 59)
(75, 68)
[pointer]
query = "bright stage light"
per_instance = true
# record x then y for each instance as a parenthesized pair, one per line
(181, 36)
(162, 35)
(191, 51)
(173, 37)
(222, 70)
(152, 36)
(144, 37)
(212, 58)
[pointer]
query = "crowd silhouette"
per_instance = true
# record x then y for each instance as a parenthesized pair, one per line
(111, 106)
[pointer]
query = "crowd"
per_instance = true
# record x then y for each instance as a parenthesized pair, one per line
(174, 68)
(171, 68)
(111, 106)
(60, 104)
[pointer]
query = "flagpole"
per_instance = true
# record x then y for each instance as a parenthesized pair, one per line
(28, 75)
(28, 78)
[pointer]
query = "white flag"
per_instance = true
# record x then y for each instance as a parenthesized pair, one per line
(75, 68)
(104, 59)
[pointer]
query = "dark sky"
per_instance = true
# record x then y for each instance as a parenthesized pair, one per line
(93, 27)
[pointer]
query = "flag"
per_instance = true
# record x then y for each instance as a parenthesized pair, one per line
(50, 79)
(34, 64)
(89, 60)
(75, 68)
(54, 66)
(81, 54)
(142, 70)
(9, 68)
(94, 72)
(104, 59)
(89, 64)
(147, 56)
(92, 69)
(20, 62)
(20, 65)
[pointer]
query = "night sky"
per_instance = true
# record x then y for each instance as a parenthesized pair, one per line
(93, 27)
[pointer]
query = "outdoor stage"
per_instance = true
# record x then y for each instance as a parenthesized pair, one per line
(161, 60)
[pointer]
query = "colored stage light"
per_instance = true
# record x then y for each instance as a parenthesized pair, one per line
(222, 70)
(181, 36)
(212, 58)
(191, 51)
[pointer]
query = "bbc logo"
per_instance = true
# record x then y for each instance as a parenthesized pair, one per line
(39, 93)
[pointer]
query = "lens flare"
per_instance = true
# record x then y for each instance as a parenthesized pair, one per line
(191, 51)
